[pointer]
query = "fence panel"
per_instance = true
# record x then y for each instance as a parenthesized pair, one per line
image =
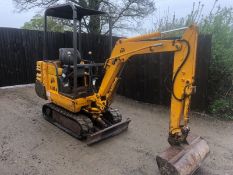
(145, 78)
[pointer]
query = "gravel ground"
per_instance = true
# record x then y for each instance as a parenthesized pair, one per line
(30, 145)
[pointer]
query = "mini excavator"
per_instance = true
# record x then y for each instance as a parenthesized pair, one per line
(81, 107)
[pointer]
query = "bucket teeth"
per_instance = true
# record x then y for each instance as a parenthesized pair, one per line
(184, 159)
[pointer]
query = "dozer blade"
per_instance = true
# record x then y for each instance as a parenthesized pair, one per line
(108, 132)
(184, 159)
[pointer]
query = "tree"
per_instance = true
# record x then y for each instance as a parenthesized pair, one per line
(123, 12)
(219, 24)
(37, 23)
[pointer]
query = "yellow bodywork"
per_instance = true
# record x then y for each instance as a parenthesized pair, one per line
(49, 71)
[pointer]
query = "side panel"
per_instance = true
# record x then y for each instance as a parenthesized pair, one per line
(47, 87)
(62, 101)
(40, 84)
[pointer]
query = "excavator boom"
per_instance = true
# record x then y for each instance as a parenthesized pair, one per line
(187, 151)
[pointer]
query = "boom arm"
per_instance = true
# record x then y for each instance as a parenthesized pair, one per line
(183, 73)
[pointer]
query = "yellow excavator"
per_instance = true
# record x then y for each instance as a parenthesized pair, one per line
(80, 99)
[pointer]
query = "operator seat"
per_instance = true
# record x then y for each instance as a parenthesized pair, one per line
(66, 56)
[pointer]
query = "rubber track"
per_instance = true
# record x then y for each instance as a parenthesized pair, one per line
(117, 117)
(83, 121)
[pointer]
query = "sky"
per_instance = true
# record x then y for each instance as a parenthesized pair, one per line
(11, 18)
(183, 7)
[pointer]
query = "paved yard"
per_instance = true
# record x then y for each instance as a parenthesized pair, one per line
(30, 145)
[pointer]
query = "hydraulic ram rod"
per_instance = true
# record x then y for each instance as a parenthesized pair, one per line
(174, 30)
(151, 35)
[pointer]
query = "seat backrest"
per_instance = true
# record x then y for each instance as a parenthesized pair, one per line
(66, 56)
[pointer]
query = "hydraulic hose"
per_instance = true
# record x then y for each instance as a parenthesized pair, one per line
(178, 71)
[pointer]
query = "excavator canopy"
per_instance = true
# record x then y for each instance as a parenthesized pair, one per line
(66, 11)
(76, 13)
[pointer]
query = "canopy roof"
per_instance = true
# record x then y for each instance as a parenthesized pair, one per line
(66, 11)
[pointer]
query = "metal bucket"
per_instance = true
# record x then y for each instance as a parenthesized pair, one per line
(184, 159)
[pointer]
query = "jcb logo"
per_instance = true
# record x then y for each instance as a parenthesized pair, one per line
(122, 50)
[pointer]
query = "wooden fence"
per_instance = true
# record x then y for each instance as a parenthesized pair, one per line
(145, 78)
